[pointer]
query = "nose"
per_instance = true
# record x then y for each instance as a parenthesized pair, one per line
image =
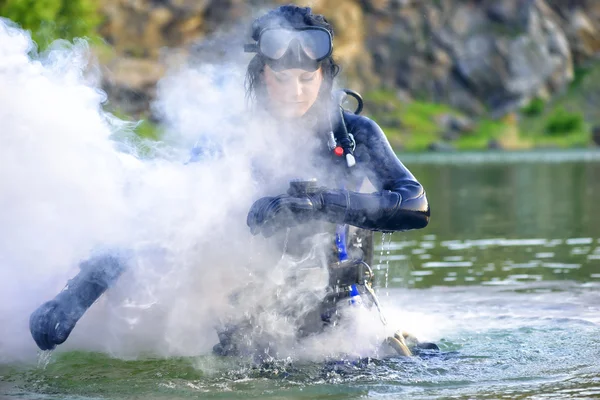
(296, 88)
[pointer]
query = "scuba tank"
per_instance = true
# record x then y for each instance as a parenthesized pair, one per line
(349, 278)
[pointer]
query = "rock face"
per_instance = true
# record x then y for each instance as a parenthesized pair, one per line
(144, 34)
(142, 27)
(130, 84)
(477, 55)
(580, 20)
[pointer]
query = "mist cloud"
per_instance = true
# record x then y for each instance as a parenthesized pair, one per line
(67, 191)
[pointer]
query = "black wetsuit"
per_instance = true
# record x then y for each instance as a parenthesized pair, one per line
(395, 202)
(398, 203)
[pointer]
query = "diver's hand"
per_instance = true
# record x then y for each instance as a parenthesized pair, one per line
(51, 324)
(270, 214)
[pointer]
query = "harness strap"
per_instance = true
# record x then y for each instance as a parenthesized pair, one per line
(341, 142)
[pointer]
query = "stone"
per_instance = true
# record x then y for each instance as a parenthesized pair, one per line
(455, 123)
(450, 136)
(131, 84)
(596, 135)
(440, 147)
(580, 20)
(160, 16)
(494, 144)
(587, 33)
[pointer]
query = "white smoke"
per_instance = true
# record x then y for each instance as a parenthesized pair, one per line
(67, 191)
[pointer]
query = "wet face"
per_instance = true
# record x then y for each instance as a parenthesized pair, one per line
(292, 92)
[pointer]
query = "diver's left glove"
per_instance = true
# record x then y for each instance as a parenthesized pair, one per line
(52, 323)
(271, 214)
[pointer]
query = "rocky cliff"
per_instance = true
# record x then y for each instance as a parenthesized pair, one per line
(480, 56)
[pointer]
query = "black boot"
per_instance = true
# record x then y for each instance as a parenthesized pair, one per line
(54, 320)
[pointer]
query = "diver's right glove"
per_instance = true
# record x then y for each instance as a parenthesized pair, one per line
(52, 323)
(271, 214)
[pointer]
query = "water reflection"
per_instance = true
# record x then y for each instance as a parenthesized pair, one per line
(499, 224)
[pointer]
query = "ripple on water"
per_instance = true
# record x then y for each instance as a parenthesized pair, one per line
(496, 242)
(580, 250)
(454, 258)
(579, 241)
(531, 264)
(561, 266)
(447, 264)
(544, 255)
(500, 282)
(393, 257)
(422, 273)
(525, 277)
(483, 259)
(400, 245)
(554, 243)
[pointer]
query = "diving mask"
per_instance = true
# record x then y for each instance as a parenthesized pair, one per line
(302, 48)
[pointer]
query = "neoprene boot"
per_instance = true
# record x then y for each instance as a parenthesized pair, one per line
(52, 323)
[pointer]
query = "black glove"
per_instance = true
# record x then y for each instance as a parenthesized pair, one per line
(380, 211)
(270, 214)
(52, 323)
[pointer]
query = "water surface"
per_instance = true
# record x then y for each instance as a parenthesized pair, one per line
(506, 279)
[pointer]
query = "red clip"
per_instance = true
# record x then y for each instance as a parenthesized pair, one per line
(338, 151)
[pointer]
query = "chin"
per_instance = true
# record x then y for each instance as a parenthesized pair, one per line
(293, 113)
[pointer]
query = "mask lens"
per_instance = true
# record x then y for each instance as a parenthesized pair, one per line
(275, 42)
(315, 43)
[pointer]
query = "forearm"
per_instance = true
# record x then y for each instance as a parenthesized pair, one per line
(97, 274)
(381, 211)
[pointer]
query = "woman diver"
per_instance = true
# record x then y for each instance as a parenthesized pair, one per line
(290, 82)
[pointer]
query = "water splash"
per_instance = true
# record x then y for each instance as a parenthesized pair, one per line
(381, 251)
(387, 262)
(44, 358)
(67, 189)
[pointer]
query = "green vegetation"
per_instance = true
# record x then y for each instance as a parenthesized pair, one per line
(52, 19)
(534, 108)
(567, 118)
(148, 130)
(563, 121)
(414, 125)
(143, 128)
(143, 135)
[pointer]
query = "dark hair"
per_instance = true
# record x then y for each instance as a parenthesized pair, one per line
(289, 16)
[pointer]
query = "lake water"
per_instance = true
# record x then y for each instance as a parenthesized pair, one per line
(506, 279)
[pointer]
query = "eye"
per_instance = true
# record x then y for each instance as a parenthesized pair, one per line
(308, 78)
(282, 77)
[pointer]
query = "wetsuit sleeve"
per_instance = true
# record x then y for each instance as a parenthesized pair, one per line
(400, 203)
